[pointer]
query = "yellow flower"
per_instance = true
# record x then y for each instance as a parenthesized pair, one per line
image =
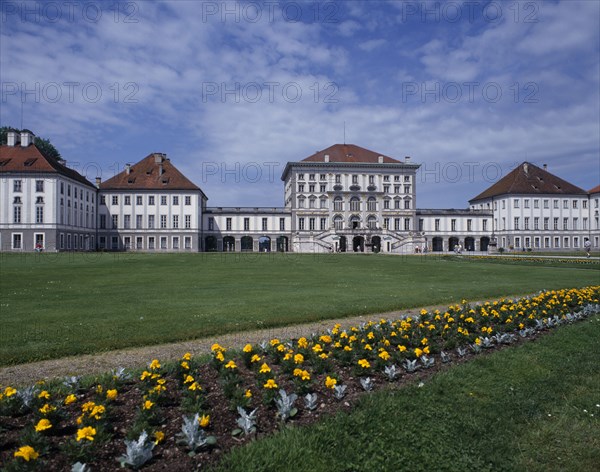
(423, 311)
(418, 352)
(185, 365)
(305, 375)
(148, 404)
(231, 365)
(97, 412)
(43, 425)
(330, 382)
(145, 375)
(195, 386)
(79, 419)
(188, 379)
(86, 433)
(204, 421)
(274, 342)
(281, 348)
(424, 341)
(302, 343)
(47, 408)
(477, 341)
(347, 348)
(216, 347)
(264, 369)
(99, 389)
(88, 406)
(426, 349)
(159, 436)
(364, 363)
(27, 452)
(370, 335)
(287, 357)
(270, 384)
(111, 394)
(255, 358)
(323, 355)
(384, 355)
(401, 348)
(70, 399)
(325, 339)
(186, 357)
(44, 394)
(317, 348)
(219, 356)
(248, 348)
(248, 393)
(154, 365)
(368, 347)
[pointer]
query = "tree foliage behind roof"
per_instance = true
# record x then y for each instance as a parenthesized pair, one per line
(44, 145)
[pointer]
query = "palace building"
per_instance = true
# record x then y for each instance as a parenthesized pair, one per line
(342, 199)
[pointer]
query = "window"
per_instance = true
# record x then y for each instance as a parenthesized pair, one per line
(188, 200)
(516, 225)
(115, 199)
(406, 224)
(300, 188)
(246, 224)
(574, 204)
(323, 224)
(102, 221)
(311, 224)
(555, 223)
(163, 221)
(300, 176)
(127, 221)
(536, 223)
(301, 224)
(39, 185)
(188, 221)
(127, 200)
(371, 179)
(397, 224)
(407, 204)
(354, 204)
(311, 188)
(17, 186)
(176, 221)
(62, 192)
(163, 242)
(565, 205)
(546, 223)
(323, 202)
(151, 200)
(526, 203)
(386, 223)
(228, 224)
(188, 242)
(138, 200)
(68, 195)
(397, 203)
(138, 221)
(484, 223)
(151, 242)
(585, 223)
(338, 179)
(565, 223)
(526, 222)
(211, 224)
(584, 204)
(265, 221)
(386, 178)
(150, 221)
(311, 202)
(536, 203)
(437, 224)
(516, 203)
(139, 242)
(301, 202)
(469, 225)
(555, 204)
(396, 188)
(355, 179)
(175, 242)
(163, 200)
(323, 188)
(17, 214)
(453, 224)
(546, 203)
(517, 242)
(115, 221)
(17, 241)
(503, 204)
(386, 204)
(175, 200)
(338, 204)
(102, 199)
(338, 222)
(575, 222)
(281, 224)
(127, 242)
(386, 189)
(372, 204)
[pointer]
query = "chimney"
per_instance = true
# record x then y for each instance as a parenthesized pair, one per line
(407, 159)
(380, 159)
(526, 168)
(98, 180)
(545, 166)
(326, 158)
(26, 138)
(11, 138)
(158, 157)
(128, 168)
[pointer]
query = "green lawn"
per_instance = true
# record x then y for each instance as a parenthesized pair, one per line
(529, 408)
(52, 305)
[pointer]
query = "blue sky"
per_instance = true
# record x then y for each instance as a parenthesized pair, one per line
(231, 91)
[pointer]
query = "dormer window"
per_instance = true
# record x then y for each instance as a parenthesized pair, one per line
(30, 162)
(39, 200)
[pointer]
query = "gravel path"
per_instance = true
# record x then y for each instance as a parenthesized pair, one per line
(26, 374)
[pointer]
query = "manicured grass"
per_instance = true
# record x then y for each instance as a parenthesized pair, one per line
(54, 305)
(534, 407)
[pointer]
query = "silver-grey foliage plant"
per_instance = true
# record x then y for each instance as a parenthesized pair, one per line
(138, 452)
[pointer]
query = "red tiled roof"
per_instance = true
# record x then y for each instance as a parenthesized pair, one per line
(145, 175)
(31, 160)
(596, 189)
(529, 179)
(349, 153)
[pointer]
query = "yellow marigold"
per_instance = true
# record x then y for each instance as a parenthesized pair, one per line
(111, 394)
(305, 375)
(47, 408)
(317, 348)
(79, 419)
(477, 341)
(281, 348)
(43, 425)
(195, 386)
(423, 311)
(185, 365)
(99, 389)
(145, 375)
(401, 348)
(298, 359)
(274, 342)
(86, 433)
(248, 393)
(368, 347)
(231, 365)
(97, 412)
(424, 341)
(330, 382)
(370, 335)
(44, 394)
(188, 379)
(270, 384)
(87, 406)
(325, 339)
(255, 358)
(264, 369)
(148, 405)
(323, 355)
(219, 356)
(186, 357)
(159, 437)
(70, 399)
(154, 365)
(204, 421)
(27, 453)
(347, 348)
(364, 363)
(418, 352)
(302, 343)
(384, 355)
(287, 357)
(426, 349)
(216, 347)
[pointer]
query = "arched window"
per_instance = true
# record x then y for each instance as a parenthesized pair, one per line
(338, 204)
(354, 204)
(372, 222)
(371, 204)
(338, 222)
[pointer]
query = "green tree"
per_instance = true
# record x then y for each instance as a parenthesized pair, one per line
(44, 145)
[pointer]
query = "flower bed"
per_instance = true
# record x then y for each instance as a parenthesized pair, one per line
(183, 415)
